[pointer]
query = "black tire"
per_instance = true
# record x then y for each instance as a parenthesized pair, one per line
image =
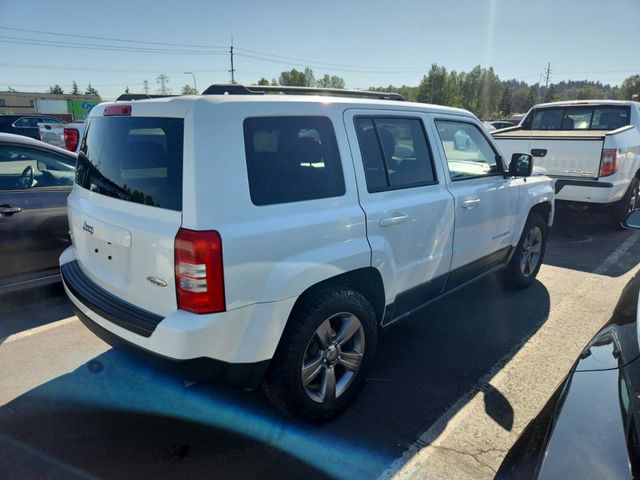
(283, 383)
(518, 273)
(626, 204)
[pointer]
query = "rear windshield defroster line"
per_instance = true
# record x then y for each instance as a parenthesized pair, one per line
(136, 159)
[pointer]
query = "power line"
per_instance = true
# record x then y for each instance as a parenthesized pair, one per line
(389, 69)
(99, 69)
(109, 38)
(314, 65)
(55, 43)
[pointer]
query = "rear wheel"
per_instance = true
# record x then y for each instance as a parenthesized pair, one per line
(627, 204)
(324, 356)
(523, 267)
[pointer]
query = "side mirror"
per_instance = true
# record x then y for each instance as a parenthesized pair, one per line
(42, 167)
(521, 165)
(632, 221)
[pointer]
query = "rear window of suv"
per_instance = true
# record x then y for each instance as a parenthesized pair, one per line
(137, 159)
(603, 117)
(291, 159)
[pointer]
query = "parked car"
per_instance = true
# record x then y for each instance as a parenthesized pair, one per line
(590, 428)
(26, 124)
(273, 236)
(35, 180)
(63, 135)
(591, 148)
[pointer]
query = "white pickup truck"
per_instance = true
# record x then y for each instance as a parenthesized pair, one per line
(591, 148)
(63, 135)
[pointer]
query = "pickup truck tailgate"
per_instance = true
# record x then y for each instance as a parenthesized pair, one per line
(561, 153)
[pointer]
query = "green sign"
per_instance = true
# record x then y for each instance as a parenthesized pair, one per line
(79, 109)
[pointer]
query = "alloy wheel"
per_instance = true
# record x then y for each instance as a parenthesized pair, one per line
(333, 357)
(531, 250)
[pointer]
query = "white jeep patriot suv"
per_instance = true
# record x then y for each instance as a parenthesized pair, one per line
(268, 239)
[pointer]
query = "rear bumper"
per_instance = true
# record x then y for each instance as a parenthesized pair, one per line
(239, 339)
(243, 375)
(590, 191)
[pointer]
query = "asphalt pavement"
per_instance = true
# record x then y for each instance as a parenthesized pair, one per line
(451, 388)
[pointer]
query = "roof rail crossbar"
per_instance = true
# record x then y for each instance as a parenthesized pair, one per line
(126, 97)
(235, 89)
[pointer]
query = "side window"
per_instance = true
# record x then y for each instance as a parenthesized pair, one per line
(26, 122)
(395, 153)
(291, 159)
(22, 168)
(468, 152)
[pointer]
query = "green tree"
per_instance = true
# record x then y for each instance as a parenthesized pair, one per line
(550, 94)
(56, 89)
(630, 87)
(126, 90)
(589, 92)
(489, 93)
(263, 81)
(90, 90)
(331, 81)
(530, 100)
(75, 90)
(310, 79)
(295, 78)
(189, 90)
(506, 102)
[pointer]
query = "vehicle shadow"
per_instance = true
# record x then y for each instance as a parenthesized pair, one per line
(116, 417)
(30, 308)
(580, 240)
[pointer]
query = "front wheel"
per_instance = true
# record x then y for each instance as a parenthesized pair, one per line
(324, 356)
(523, 267)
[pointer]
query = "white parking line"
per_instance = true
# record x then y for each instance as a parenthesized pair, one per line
(414, 462)
(40, 329)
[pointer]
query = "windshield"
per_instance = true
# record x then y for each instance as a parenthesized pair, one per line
(134, 159)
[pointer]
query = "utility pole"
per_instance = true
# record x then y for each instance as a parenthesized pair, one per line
(547, 74)
(146, 87)
(233, 80)
(163, 79)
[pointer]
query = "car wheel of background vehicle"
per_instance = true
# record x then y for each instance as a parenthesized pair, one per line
(627, 204)
(525, 263)
(324, 356)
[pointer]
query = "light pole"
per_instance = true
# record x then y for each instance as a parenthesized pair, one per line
(194, 80)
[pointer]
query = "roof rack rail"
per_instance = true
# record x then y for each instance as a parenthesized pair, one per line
(235, 89)
(139, 96)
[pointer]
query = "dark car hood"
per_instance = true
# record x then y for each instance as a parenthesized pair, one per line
(616, 344)
(589, 427)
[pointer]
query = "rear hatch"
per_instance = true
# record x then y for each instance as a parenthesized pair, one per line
(126, 208)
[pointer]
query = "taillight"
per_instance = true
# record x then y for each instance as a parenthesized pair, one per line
(199, 275)
(608, 164)
(117, 110)
(71, 138)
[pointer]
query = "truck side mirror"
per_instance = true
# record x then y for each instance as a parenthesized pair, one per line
(632, 221)
(521, 165)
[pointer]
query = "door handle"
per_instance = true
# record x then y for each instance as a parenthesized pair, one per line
(472, 202)
(538, 152)
(394, 219)
(8, 210)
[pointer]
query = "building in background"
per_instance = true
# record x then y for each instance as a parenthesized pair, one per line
(68, 107)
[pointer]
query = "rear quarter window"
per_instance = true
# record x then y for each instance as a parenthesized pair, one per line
(292, 159)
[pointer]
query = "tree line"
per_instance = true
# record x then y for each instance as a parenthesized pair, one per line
(75, 90)
(480, 90)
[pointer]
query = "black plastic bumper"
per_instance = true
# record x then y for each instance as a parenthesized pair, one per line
(114, 309)
(562, 182)
(243, 375)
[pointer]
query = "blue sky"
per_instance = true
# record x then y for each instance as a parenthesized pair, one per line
(368, 43)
